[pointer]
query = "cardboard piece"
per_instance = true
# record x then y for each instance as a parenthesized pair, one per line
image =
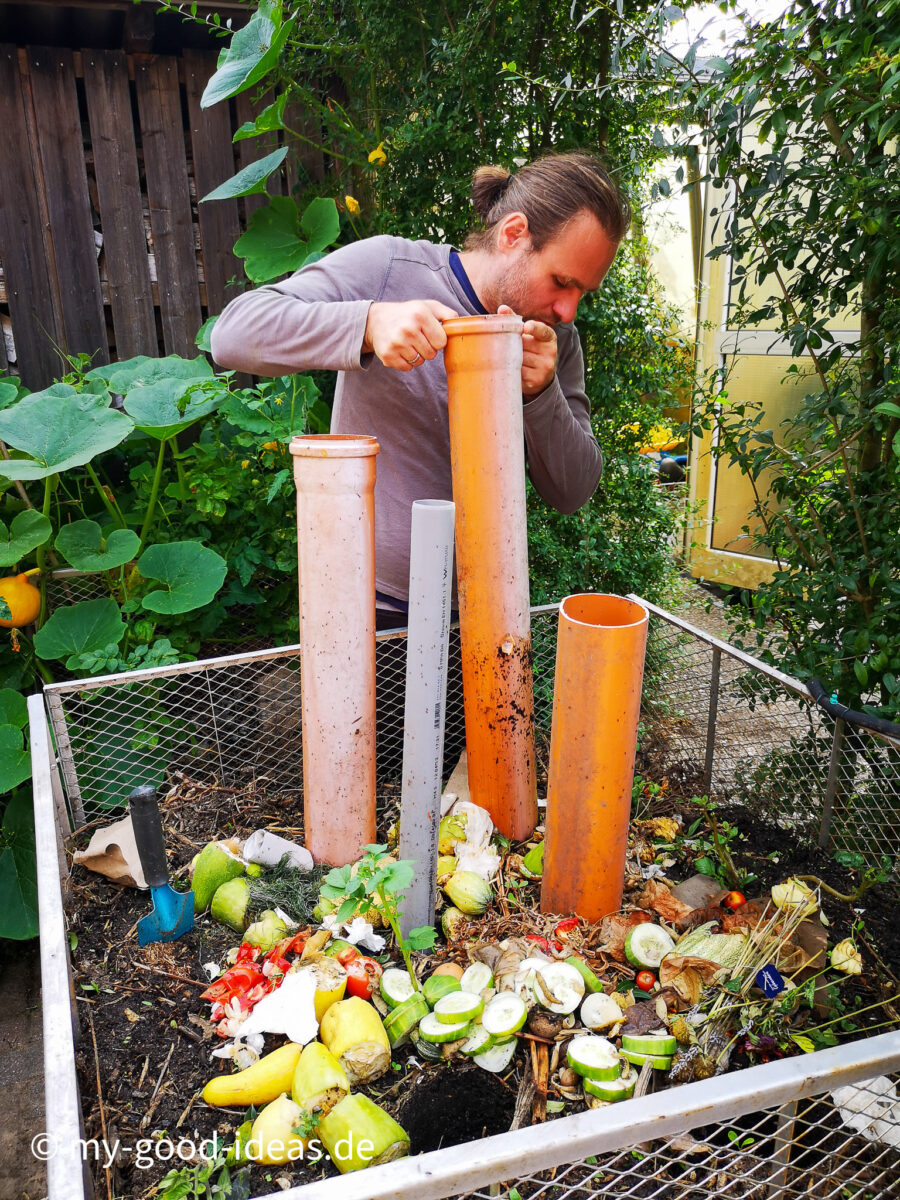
(112, 852)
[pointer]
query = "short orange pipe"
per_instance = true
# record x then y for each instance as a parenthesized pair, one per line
(335, 478)
(487, 454)
(596, 703)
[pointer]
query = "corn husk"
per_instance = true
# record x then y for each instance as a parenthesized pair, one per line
(320, 1082)
(357, 1134)
(353, 1032)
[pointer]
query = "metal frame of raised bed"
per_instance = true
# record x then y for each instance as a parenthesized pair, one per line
(752, 734)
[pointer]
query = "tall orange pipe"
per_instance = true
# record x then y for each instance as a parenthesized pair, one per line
(596, 703)
(487, 454)
(335, 478)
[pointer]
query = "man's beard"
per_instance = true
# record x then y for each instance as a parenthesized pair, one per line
(512, 289)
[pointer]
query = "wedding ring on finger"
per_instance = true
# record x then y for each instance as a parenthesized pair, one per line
(412, 361)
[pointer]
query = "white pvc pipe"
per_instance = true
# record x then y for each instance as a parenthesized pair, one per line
(430, 575)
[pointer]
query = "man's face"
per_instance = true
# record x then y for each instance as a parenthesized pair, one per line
(546, 284)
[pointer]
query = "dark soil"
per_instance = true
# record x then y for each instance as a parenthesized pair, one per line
(144, 1051)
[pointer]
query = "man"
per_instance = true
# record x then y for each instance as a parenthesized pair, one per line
(373, 310)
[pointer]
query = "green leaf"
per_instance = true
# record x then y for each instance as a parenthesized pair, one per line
(143, 370)
(9, 393)
(82, 545)
(805, 1043)
(422, 938)
(272, 245)
(253, 52)
(249, 180)
(59, 428)
(80, 629)
(13, 708)
(28, 530)
(15, 760)
(321, 223)
(190, 571)
(270, 120)
(202, 340)
(165, 408)
(18, 871)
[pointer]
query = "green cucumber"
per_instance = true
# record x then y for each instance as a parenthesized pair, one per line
(504, 1014)
(433, 1030)
(459, 1006)
(594, 1057)
(498, 1057)
(558, 987)
(476, 978)
(612, 1090)
(647, 945)
(396, 986)
(659, 1062)
(591, 982)
(437, 986)
(660, 1041)
(479, 1041)
(403, 1019)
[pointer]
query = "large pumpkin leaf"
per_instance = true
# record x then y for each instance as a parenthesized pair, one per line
(143, 370)
(80, 629)
(320, 222)
(28, 530)
(59, 428)
(13, 708)
(18, 870)
(164, 408)
(250, 180)
(272, 245)
(83, 546)
(15, 761)
(253, 51)
(191, 573)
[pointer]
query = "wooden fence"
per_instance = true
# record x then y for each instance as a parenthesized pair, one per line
(104, 248)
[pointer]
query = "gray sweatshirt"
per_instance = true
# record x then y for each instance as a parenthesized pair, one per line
(316, 320)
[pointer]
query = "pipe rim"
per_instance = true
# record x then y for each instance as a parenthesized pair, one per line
(640, 615)
(333, 445)
(490, 323)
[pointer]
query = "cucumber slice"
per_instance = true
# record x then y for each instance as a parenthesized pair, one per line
(479, 1041)
(647, 945)
(594, 1058)
(600, 1011)
(660, 1041)
(659, 1062)
(498, 1057)
(436, 986)
(396, 986)
(459, 1006)
(504, 1015)
(591, 982)
(433, 1030)
(613, 1090)
(558, 987)
(402, 1020)
(476, 978)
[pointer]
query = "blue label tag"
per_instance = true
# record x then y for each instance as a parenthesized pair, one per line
(769, 981)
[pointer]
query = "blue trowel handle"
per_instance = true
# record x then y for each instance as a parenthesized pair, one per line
(148, 835)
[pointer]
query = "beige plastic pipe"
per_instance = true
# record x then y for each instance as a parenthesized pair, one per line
(335, 478)
(596, 703)
(487, 453)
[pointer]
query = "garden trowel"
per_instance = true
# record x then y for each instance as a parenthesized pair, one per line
(173, 912)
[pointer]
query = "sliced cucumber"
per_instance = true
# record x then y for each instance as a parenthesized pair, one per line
(479, 1041)
(613, 1090)
(594, 1058)
(591, 982)
(436, 986)
(476, 978)
(599, 1011)
(659, 1062)
(504, 1014)
(396, 986)
(403, 1019)
(647, 945)
(660, 1041)
(433, 1030)
(558, 987)
(498, 1057)
(459, 1006)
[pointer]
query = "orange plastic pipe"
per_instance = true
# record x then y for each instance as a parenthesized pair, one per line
(487, 454)
(335, 478)
(596, 702)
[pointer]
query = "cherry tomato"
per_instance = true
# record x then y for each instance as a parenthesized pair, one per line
(734, 900)
(645, 980)
(362, 976)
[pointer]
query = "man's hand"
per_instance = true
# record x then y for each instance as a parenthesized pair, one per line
(404, 335)
(538, 354)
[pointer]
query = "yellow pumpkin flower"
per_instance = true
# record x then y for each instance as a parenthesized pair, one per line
(352, 204)
(378, 156)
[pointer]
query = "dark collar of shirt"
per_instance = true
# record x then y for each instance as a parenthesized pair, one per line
(465, 283)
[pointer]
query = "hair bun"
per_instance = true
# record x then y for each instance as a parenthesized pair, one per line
(488, 185)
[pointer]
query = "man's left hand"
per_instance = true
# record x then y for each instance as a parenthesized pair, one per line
(538, 354)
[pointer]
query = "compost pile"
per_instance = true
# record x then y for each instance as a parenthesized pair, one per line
(247, 1053)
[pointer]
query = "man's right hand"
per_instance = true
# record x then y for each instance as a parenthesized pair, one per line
(404, 335)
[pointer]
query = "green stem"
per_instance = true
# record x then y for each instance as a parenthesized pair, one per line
(154, 493)
(41, 554)
(388, 909)
(182, 479)
(112, 509)
(852, 1015)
